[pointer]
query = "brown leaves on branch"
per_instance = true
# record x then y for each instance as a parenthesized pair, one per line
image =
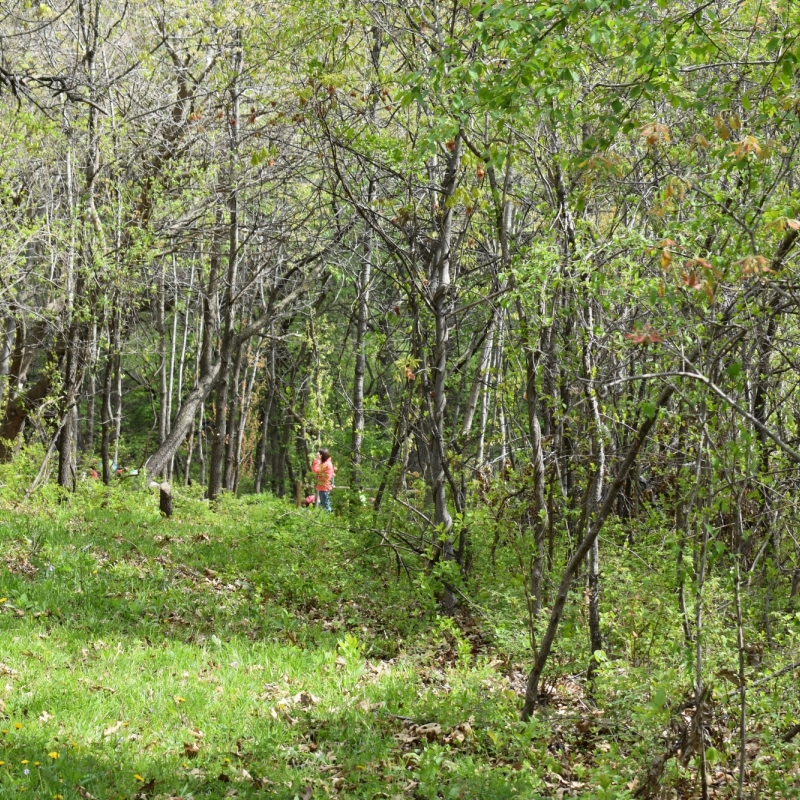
(700, 274)
(646, 335)
(655, 133)
(748, 145)
(756, 266)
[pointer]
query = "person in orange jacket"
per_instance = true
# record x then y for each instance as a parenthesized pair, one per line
(324, 469)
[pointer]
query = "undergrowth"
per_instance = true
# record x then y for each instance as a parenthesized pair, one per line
(258, 650)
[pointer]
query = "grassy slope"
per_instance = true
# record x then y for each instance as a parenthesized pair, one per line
(261, 651)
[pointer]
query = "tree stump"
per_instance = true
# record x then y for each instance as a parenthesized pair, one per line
(165, 499)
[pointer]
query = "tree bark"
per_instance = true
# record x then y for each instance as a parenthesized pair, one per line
(161, 329)
(107, 413)
(67, 468)
(244, 415)
(232, 428)
(532, 687)
(441, 303)
(6, 344)
(88, 444)
(364, 279)
(218, 448)
(165, 499)
(263, 445)
(595, 492)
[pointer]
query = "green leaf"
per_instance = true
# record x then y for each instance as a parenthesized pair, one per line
(659, 698)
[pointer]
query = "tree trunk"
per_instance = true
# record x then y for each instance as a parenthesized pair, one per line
(190, 449)
(485, 397)
(218, 448)
(595, 492)
(400, 437)
(244, 415)
(263, 446)
(67, 467)
(158, 461)
(440, 286)
(118, 398)
(107, 413)
(6, 344)
(478, 386)
(532, 687)
(88, 443)
(173, 347)
(232, 428)
(161, 329)
(360, 354)
(207, 371)
(17, 410)
(201, 432)
(165, 499)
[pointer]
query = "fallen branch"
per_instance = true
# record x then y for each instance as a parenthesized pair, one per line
(777, 674)
(787, 736)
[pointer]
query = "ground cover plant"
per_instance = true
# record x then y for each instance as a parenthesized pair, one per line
(265, 650)
(528, 271)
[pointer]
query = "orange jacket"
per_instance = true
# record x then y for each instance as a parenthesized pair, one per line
(325, 472)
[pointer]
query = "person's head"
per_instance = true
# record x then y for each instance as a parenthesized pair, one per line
(324, 454)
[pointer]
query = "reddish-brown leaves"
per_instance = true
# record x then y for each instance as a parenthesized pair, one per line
(645, 336)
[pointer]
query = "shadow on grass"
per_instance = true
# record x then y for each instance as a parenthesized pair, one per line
(130, 640)
(350, 742)
(267, 575)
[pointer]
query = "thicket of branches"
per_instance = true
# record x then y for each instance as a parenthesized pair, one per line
(541, 257)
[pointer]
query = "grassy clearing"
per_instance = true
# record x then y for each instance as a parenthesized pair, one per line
(261, 651)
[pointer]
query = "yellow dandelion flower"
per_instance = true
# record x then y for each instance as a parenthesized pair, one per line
(53, 755)
(2, 763)
(3, 599)
(37, 763)
(58, 797)
(24, 761)
(180, 700)
(139, 778)
(17, 725)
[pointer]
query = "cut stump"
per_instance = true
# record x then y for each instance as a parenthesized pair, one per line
(165, 499)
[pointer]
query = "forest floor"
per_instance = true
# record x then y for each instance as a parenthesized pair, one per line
(264, 651)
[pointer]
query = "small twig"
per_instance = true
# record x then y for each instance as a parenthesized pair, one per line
(400, 717)
(38, 479)
(415, 510)
(474, 605)
(135, 547)
(777, 674)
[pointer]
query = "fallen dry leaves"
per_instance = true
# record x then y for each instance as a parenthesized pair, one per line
(190, 749)
(111, 730)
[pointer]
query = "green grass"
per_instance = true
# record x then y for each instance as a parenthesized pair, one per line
(262, 651)
(252, 650)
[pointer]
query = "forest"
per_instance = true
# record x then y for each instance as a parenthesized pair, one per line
(528, 270)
